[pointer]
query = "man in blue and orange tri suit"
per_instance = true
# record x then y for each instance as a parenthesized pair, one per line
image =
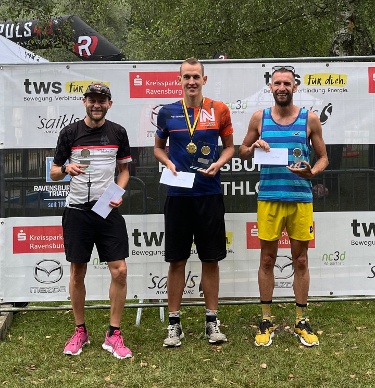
(285, 195)
(193, 126)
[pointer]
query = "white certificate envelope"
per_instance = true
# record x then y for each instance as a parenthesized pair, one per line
(182, 179)
(112, 193)
(275, 156)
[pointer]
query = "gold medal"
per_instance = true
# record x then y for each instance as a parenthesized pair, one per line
(205, 150)
(191, 148)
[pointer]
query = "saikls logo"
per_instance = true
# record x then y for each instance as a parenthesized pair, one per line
(159, 284)
(253, 242)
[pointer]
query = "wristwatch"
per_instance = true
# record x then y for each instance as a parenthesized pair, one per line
(63, 169)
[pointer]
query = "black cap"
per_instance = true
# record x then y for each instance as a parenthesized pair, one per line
(98, 88)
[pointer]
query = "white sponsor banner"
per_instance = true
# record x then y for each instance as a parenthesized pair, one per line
(33, 265)
(38, 101)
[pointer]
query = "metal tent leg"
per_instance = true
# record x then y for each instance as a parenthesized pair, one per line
(139, 313)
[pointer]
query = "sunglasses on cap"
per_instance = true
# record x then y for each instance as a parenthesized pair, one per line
(283, 67)
(98, 88)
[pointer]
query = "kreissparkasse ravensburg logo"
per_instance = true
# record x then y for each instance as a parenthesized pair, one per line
(48, 271)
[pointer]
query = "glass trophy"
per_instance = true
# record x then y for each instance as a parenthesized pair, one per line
(85, 154)
(204, 156)
(297, 154)
(298, 157)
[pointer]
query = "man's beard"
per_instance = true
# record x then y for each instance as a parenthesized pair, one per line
(96, 118)
(286, 102)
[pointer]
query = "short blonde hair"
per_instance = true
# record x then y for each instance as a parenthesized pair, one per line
(192, 61)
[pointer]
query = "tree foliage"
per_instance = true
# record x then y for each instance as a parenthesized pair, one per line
(166, 29)
(251, 29)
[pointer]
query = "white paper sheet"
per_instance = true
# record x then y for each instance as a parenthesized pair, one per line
(276, 156)
(112, 193)
(182, 179)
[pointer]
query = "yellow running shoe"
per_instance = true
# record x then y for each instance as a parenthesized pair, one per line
(303, 331)
(264, 334)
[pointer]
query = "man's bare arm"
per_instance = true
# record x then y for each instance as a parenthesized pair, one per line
(317, 142)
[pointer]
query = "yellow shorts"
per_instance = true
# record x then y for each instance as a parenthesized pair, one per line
(296, 217)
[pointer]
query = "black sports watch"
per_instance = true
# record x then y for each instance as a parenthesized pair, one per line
(63, 169)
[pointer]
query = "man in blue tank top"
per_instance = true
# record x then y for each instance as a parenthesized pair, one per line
(285, 195)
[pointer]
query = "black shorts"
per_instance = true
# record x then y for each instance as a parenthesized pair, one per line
(200, 219)
(84, 228)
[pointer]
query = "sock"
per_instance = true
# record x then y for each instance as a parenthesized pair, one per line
(174, 317)
(83, 325)
(266, 309)
(211, 315)
(112, 329)
(300, 312)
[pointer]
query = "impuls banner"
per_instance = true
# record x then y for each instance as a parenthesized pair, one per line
(87, 44)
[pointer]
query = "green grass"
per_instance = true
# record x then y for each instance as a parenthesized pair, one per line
(31, 354)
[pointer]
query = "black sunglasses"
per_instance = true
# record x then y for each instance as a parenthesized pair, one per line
(283, 67)
(98, 88)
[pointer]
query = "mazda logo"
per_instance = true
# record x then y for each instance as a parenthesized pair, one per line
(48, 271)
(285, 268)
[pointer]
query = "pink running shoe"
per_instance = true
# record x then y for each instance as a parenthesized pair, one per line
(115, 345)
(79, 339)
